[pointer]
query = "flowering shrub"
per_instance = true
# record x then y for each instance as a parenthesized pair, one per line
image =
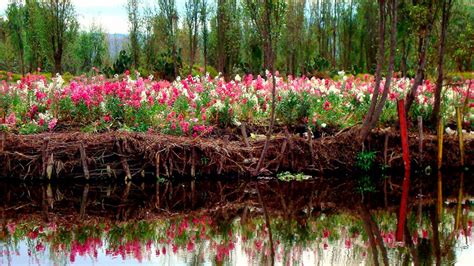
(194, 106)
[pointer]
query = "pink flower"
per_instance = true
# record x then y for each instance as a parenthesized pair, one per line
(348, 243)
(175, 248)
(11, 228)
(327, 105)
(52, 123)
(40, 247)
(424, 233)
(33, 234)
(190, 246)
(107, 118)
(11, 119)
(326, 233)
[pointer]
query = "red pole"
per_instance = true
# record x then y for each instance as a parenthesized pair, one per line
(406, 180)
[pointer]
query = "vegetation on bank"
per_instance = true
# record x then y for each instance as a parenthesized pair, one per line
(201, 105)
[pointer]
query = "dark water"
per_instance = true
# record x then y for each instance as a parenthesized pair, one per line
(316, 222)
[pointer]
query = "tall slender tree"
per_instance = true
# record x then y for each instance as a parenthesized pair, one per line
(192, 22)
(15, 18)
(445, 14)
(170, 15)
(377, 104)
(60, 28)
(426, 15)
(134, 30)
(203, 19)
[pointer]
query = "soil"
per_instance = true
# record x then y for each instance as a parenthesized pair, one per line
(118, 155)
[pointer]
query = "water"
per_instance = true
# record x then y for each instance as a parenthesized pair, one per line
(315, 222)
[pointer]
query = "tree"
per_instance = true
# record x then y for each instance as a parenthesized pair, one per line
(445, 12)
(376, 105)
(263, 12)
(192, 21)
(15, 22)
(425, 13)
(134, 30)
(91, 49)
(225, 37)
(35, 35)
(293, 35)
(268, 21)
(170, 15)
(203, 19)
(60, 28)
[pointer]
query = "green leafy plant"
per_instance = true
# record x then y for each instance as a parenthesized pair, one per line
(287, 176)
(365, 160)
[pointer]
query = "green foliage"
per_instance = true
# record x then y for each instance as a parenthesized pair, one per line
(164, 65)
(123, 63)
(30, 128)
(365, 160)
(293, 108)
(222, 114)
(90, 50)
(287, 176)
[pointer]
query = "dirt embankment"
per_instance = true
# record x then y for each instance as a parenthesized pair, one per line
(128, 155)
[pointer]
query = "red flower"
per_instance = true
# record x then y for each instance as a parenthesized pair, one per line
(327, 105)
(33, 234)
(40, 247)
(190, 246)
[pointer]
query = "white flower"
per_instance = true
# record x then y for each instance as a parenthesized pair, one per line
(143, 96)
(116, 76)
(236, 122)
(237, 78)
(323, 125)
(150, 77)
(218, 105)
(341, 73)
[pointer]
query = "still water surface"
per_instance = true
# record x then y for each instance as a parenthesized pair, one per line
(316, 222)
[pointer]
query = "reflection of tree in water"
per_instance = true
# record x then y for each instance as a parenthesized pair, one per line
(219, 222)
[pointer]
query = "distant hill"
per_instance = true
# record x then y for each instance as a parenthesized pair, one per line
(116, 42)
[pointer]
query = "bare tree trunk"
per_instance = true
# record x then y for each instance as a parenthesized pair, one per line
(403, 64)
(393, 45)
(57, 63)
(442, 43)
(364, 132)
(422, 50)
(272, 69)
(220, 36)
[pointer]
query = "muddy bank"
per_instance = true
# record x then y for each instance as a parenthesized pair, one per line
(119, 155)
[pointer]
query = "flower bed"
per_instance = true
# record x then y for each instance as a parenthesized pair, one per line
(192, 125)
(200, 106)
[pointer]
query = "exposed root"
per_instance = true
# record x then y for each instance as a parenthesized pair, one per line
(125, 154)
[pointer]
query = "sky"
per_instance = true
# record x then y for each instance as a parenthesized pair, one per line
(110, 14)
